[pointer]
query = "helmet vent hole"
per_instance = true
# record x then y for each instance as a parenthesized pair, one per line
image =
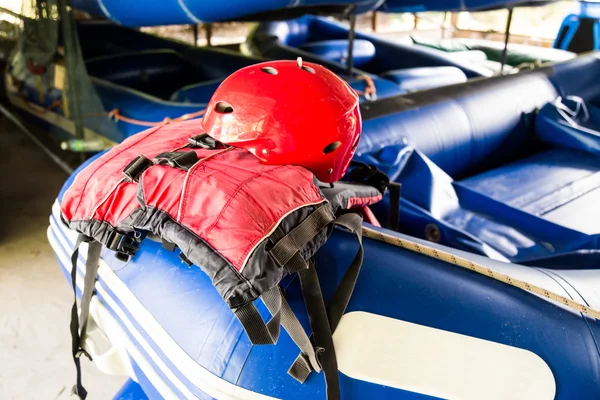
(308, 69)
(223, 107)
(269, 70)
(331, 147)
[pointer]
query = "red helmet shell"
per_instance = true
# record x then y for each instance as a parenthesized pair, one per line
(288, 112)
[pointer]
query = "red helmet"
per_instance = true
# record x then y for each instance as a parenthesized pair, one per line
(288, 112)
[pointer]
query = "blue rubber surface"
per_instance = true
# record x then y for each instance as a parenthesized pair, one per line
(408, 286)
(137, 13)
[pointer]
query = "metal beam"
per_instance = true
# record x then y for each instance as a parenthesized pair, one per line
(12, 13)
(351, 35)
(15, 120)
(506, 38)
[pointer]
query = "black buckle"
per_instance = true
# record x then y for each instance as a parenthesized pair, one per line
(168, 245)
(177, 159)
(204, 141)
(83, 352)
(125, 246)
(185, 259)
(75, 395)
(134, 169)
(368, 175)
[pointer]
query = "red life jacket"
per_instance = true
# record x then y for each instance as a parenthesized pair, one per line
(245, 224)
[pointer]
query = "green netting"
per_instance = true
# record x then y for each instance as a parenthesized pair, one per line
(39, 39)
(49, 81)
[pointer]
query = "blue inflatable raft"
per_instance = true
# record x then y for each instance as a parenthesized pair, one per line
(505, 167)
(399, 6)
(142, 77)
(416, 327)
(580, 30)
(139, 80)
(137, 13)
(321, 40)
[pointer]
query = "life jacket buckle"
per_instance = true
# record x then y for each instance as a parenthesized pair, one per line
(204, 141)
(134, 169)
(368, 175)
(183, 160)
(125, 246)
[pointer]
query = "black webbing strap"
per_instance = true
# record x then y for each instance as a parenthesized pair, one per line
(257, 330)
(261, 333)
(91, 272)
(274, 298)
(300, 369)
(285, 248)
(341, 296)
(286, 252)
(283, 251)
(321, 332)
(394, 214)
(78, 324)
(78, 389)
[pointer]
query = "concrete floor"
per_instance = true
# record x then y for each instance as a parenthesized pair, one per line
(35, 298)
